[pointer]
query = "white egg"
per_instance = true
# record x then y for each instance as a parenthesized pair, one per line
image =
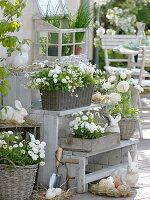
(110, 179)
(50, 194)
(57, 191)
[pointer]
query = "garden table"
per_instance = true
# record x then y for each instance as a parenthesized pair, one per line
(129, 52)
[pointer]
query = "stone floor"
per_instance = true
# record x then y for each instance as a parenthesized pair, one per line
(142, 192)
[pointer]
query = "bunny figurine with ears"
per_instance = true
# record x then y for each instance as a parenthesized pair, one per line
(128, 176)
(17, 115)
(113, 127)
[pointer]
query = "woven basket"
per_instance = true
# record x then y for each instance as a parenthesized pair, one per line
(16, 183)
(127, 128)
(57, 100)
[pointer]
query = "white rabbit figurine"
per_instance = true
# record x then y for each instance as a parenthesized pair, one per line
(22, 57)
(10, 113)
(113, 127)
(128, 176)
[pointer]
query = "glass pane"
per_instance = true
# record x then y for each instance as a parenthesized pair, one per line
(52, 50)
(43, 37)
(80, 49)
(67, 50)
(42, 50)
(79, 37)
(67, 38)
(53, 38)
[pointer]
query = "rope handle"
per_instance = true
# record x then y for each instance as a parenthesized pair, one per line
(12, 163)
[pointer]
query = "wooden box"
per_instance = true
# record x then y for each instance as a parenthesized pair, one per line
(87, 145)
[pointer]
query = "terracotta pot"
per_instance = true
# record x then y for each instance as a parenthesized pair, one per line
(78, 50)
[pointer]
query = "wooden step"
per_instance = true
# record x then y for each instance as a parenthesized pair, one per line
(103, 172)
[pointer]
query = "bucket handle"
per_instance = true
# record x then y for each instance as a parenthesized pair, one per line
(12, 163)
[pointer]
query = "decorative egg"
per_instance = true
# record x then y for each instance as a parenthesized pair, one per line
(103, 183)
(49, 194)
(110, 181)
(122, 188)
(57, 191)
(116, 182)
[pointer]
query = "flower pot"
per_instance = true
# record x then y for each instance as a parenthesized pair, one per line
(109, 140)
(127, 128)
(78, 50)
(17, 183)
(58, 100)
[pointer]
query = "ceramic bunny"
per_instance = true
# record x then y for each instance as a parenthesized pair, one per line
(113, 127)
(128, 176)
(22, 57)
(10, 113)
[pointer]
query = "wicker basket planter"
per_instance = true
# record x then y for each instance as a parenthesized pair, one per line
(127, 128)
(88, 145)
(57, 100)
(17, 183)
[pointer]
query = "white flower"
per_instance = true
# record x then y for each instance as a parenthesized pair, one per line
(20, 144)
(76, 95)
(43, 143)
(5, 146)
(45, 61)
(100, 31)
(42, 155)
(55, 80)
(91, 116)
(84, 117)
(30, 153)
(106, 85)
(16, 137)
(123, 86)
(42, 151)
(15, 145)
(42, 163)
(75, 127)
(67, 78)
(139, 88)
(78, 119)
(10, 147)
(114, 97)
(38, 80)
(64, 80)
(37, 141)
(81, 113)
(55, 76)
(23, 151)
(110, 32)
(31, 144)
(10, 132)
(123, 75)
(111, 79)
(34, 157)
(35, 150)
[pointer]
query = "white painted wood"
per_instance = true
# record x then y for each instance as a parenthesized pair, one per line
(81, 184)
(103, 173)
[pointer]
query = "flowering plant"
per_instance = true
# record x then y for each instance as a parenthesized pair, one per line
(66, 78)
(87, 126)
(119, 87)
(20, 151)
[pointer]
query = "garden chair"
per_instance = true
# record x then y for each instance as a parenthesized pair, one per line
(111, 42)
(143, 62)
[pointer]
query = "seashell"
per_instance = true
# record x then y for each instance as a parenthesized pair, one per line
(116, 182)
(57, 191)
(122, 188)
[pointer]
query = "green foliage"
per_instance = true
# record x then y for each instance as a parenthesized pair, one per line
(4, 84)
(21, 152)
(66, 78)
(9, 24)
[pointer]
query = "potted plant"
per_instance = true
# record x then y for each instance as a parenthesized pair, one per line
(64, 87)
(19, 161)
(88, 133)
(119, 87)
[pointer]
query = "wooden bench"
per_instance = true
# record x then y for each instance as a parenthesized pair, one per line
(100, 164)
